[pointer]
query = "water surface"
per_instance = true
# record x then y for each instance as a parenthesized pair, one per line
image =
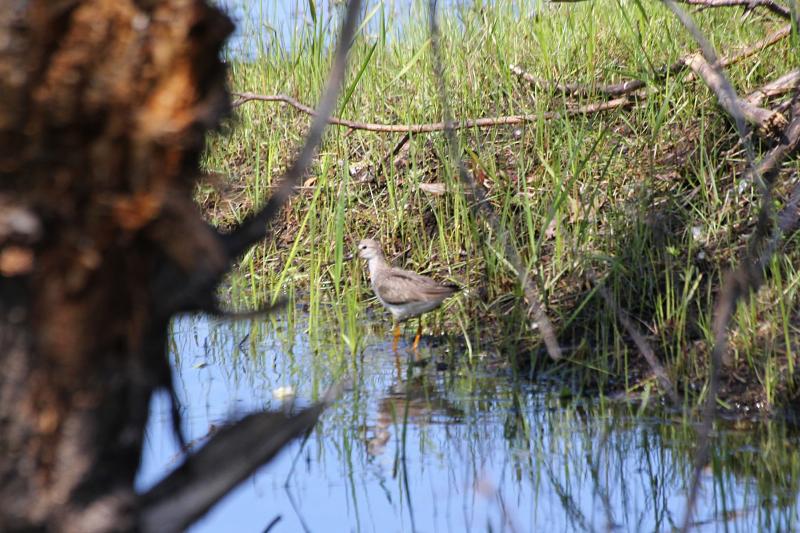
(463, 448)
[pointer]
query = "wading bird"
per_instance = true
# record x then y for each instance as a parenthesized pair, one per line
(404, 293)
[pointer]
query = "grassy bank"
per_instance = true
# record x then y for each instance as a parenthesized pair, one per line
(648, 200)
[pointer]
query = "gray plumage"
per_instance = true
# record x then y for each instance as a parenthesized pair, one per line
(404, 293)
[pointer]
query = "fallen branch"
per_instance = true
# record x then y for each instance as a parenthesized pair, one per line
(579, 89)
(487, 122)
(768, 122)
(786, 83)
(762, 243)
(631, 86)
(774, 7)
(771, 39)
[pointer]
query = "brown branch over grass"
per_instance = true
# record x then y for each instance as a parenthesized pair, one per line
(532, 293)
(198, 292)
(578, 89)
(253, 229)
(772, 6)
(630, 86)
(183, 496)
(786, 83)
(486, 122)
(768, 122)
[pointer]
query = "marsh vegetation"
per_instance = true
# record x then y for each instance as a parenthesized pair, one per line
(648, 202)
(626, 206)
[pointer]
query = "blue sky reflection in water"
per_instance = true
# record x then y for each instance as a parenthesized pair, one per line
(481, 452)
(262, 24)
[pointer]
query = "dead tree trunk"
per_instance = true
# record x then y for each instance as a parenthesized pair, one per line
(104, 106)
(102, 116)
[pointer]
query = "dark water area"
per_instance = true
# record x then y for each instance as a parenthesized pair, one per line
(467, 448)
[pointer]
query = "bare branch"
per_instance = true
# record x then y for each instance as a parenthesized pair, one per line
(771, 39)
(536, 307)
(786, 83)
(771, 5)
(197, 293)
(774, 7)
(486, 122)
(579, 89)
(768, 122)
(760, 248)
(770, 165)
(631, 86)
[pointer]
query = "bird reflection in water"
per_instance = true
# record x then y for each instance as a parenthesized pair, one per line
(418, 399)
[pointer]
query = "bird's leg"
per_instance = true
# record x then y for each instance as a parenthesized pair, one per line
(396, 336)
(419, 333)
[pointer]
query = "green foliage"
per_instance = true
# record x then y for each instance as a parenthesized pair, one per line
(648, 198)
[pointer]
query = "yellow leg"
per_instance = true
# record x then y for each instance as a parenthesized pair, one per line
(419, 333)
(396, 336)
(398, 366)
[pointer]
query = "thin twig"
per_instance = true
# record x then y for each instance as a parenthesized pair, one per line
(578, 89)
(776, 8)
(771, 39)
(390, 158)
(532, 294)
(485, 122)
(199, 291)
(272, 524)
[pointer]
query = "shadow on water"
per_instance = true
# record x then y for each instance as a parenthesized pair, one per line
(426, 449)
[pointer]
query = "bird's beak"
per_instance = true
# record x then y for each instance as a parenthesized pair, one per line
(345, 259)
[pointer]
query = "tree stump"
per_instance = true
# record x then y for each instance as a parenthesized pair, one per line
(104, 107)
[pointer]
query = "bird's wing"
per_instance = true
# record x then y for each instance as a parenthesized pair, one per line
(402, 286)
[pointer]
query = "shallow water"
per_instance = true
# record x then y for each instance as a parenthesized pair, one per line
(456, 449)
(263, 24)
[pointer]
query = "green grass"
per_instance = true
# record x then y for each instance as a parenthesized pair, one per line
(648, 198)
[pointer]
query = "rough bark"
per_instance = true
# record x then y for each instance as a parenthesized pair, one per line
(104, 110)
(104, 107)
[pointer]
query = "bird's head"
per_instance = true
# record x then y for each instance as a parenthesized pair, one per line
(369, 249)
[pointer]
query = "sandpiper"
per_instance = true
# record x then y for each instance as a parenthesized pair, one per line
(404, 293)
